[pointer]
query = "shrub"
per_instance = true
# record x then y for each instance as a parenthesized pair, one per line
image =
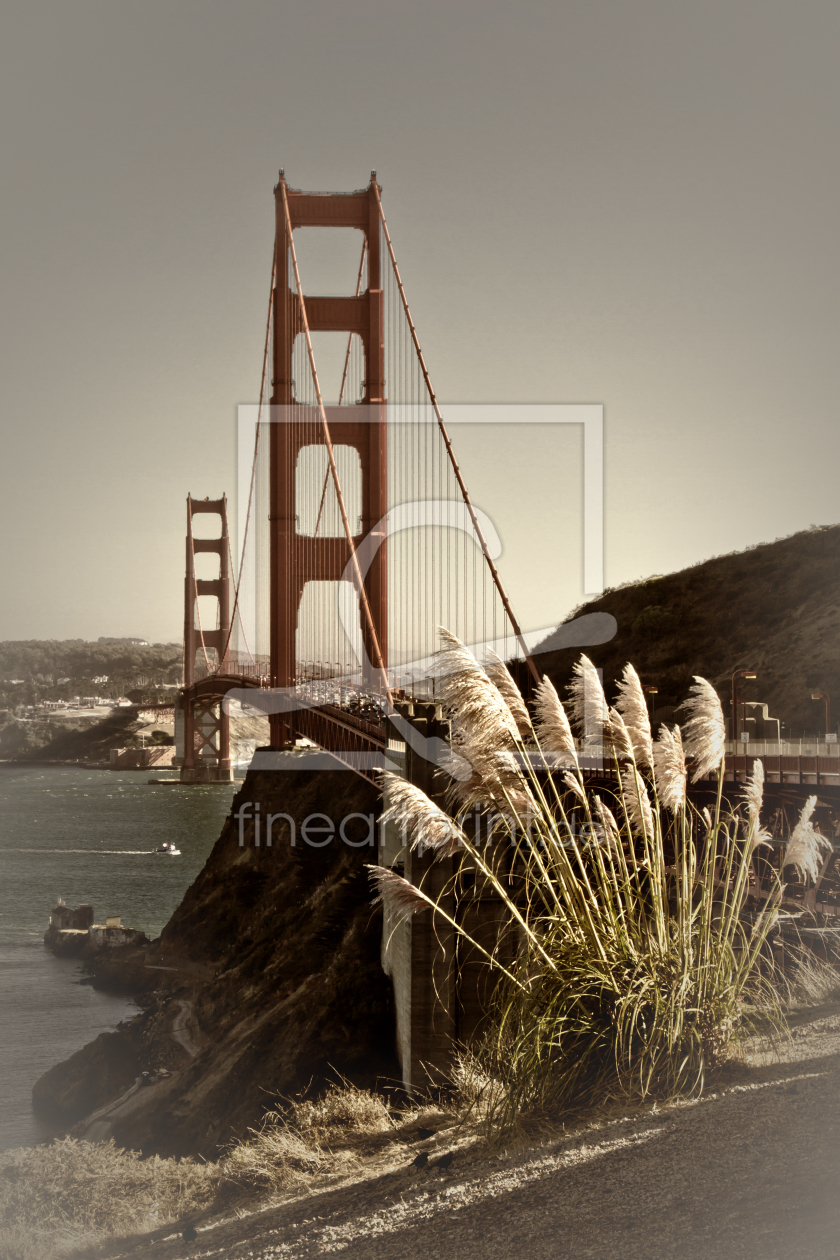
(653, 622)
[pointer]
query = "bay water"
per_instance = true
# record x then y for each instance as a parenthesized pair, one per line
(86, 836)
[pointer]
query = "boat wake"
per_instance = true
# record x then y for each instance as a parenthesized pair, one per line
(102, 852)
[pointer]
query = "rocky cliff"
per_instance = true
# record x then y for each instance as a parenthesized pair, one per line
(267, 978)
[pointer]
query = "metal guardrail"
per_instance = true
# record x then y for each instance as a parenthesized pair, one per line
(785, 748)
(819, 771)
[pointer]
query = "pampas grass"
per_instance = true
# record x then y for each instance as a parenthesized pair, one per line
(669, 768)
(754, 799)
(632, 706)
(500, 676)
(483, 725)
(587, 701)
(421, 823)
(401, 897)
(704, 734)
(637, 805)
(552, 727)
(617, 736)
(633, 959)
(754, 790)
(805, 847)
(609, 832)
(483, 718)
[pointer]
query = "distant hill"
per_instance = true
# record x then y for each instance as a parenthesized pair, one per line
(32, 668)
(774, 608)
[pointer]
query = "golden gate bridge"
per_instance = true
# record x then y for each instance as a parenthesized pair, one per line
(359, 538)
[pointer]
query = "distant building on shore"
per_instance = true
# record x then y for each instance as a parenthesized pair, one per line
(70, 930)
(63, 918)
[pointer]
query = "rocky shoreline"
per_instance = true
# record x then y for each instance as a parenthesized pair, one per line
(277, 952)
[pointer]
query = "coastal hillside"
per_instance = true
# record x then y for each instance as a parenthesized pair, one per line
(33, 670)
(773, 608)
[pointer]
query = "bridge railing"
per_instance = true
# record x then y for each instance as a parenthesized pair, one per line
(784, 748)
(819, 771)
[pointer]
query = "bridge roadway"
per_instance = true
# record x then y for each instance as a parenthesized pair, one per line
(336, 728)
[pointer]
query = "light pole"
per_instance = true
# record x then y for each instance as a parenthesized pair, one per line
(823, 695)
(650, 690)
(739, 673)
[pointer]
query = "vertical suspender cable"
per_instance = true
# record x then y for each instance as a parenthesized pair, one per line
(253, 470)
(458, 477)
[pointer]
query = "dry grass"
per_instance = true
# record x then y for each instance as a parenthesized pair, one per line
(66, 1195)
(69, 1193)
(344, 1107)
(306, 1138)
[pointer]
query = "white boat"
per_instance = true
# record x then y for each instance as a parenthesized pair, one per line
(168, 849)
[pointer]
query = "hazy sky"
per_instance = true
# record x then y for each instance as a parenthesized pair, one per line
(628, 203)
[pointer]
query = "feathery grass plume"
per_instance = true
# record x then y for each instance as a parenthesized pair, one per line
(705, 732)
(456, 766)
(482, 723)
(754, 798)
(500, 675)
(396, 894)
(422, 823)
(504, 781)
(574, 786)
(609, 831)
(637, 802)
(476, 702)
(588, 704)
(480, 712)
(553, 729)
(805, 845)
(669, 770)
(754, 789)
(617, 736)
(494, 778)
(632, 706)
